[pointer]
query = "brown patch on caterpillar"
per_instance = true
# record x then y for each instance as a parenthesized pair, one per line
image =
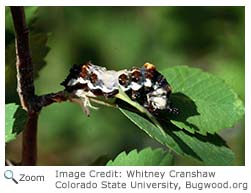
(93, 78)
(136, 75)
(84, 72)
(124, 80)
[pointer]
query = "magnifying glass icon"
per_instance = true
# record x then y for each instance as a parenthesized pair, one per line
(8, 174)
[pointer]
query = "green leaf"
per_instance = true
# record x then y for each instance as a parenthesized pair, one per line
(15, 118)
(146, 157)
(211, 149)
(206, 103)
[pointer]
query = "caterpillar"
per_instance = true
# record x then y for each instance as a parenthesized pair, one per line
(144, 85)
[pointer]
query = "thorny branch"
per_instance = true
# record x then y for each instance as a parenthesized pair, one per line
(25, 88)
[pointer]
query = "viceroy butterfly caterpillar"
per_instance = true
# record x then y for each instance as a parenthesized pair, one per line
(144, 85)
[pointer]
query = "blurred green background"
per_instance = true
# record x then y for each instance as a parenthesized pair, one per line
(211, 38)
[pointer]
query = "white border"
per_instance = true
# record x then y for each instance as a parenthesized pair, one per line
(232, 172)
(247, 84)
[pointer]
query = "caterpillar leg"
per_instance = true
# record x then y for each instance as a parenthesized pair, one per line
(85, 104)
